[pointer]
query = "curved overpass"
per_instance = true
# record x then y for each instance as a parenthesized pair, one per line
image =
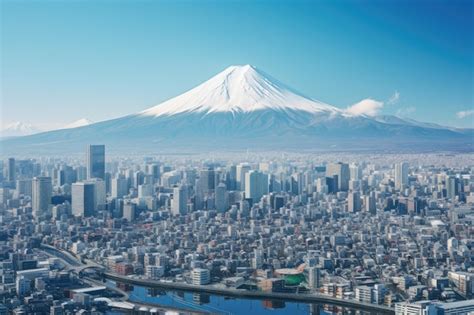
(305, 298)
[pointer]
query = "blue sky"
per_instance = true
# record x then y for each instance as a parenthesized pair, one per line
(64, 60)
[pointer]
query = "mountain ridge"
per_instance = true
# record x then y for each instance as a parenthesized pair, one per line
(242, 107)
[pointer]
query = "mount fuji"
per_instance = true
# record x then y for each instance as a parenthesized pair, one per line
(244, 108)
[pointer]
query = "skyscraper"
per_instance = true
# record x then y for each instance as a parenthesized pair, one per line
(370, 204)
(241, 170)
(353, 202)
(99, 192)
(119, 187)
(451, 187)
(95, 160)
(256, 185)
(206, 180)
(10, 170)
(343, 174)
(401, 175)
(221, 198)
(83, 199)
(41, 195)
(314, 277)
(180, 200)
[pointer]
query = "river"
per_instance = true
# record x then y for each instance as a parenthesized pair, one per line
(224, 305)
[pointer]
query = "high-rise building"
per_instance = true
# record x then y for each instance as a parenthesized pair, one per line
(221, 198)
(99, 192)
(95, 161)
(343, 174)
(10, 170)
(129, 211)
(241, 170)
(353, 202)
(83, 199)
(451, 187)
(256, 185)
(119, 187)
(355, 172)
(370, 204)
(314, 277)
(42, 190)
(180, 200)
(257, 260)
(24, 187)
(401, 175)
(206, 180)
(232, 178)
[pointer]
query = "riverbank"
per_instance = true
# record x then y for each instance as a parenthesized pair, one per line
(260, 295)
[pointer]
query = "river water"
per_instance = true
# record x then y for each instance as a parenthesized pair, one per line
(225, 305)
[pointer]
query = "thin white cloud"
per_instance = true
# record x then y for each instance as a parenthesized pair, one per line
(367, 106)
(406, 111)
(394, 98)
(465, 113)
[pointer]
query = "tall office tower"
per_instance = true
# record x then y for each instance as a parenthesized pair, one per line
(138, 179)
(99, 192)
(129, 211)
(401, 175)
(314, 277)
(452, 187)
(41, 195)
(370, 204)
(180, 200)
(353, 202)
(108, 182)
(355, 172)
(83, 199)
(297, 183)
(241, 170)
(257, 261)
(207, 180)
(343, 174)
(145, 190)
(332, 184)
(232, 178)
(10, 170)
(119, 187)
(153, 170)
(321, 185)
(81, 173)
(95, 161)
(354, 185)
(24, 187)
(256, 185)
(221, 198)
(4, 195)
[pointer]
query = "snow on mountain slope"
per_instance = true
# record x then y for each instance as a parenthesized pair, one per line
(239, 89)
(242, 108)
(78, 123)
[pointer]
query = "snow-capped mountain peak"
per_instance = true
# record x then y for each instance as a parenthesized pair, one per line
(239, 89)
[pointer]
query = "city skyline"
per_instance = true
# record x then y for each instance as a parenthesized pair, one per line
(302, 233)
